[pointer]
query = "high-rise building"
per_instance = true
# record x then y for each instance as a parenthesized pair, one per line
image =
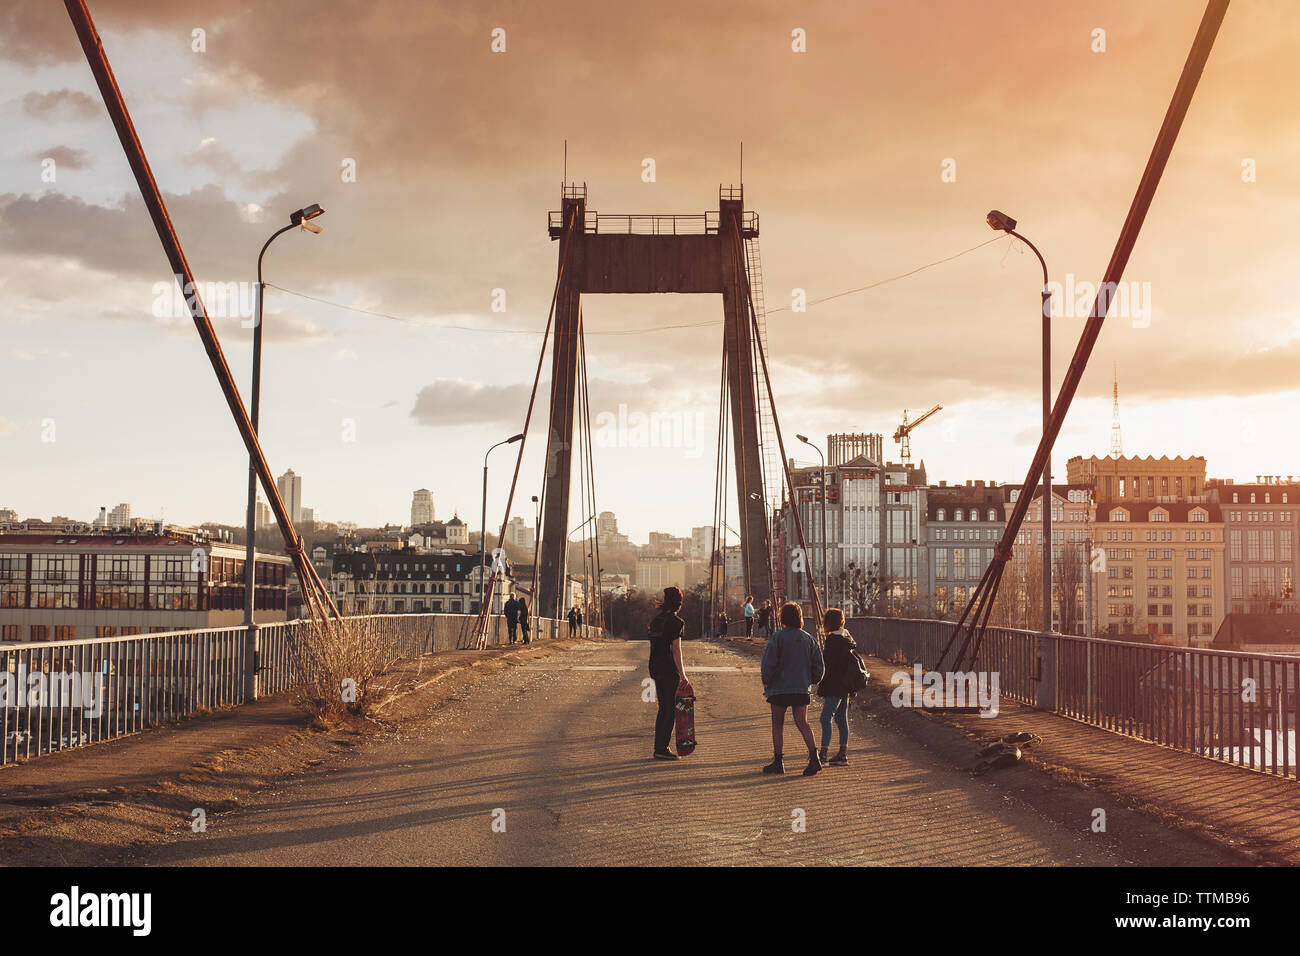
(290, 486)
(519, 534)
(262, 516)
(701, 542)
(421, 507)
(120, 517)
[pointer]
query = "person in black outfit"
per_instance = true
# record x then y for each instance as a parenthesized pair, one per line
(523, 618)
(723, 621)
(666, 668)
(575, 620)
(511, 610)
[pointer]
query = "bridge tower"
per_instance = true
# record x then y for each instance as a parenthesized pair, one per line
(640, 255)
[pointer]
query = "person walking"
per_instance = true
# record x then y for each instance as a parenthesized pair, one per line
(575, 620)
(511, 611)
(792, 663)
(765, 619)
(722, 623)
(748, 611)
(666, 668)
(523, 619)
(841, 681)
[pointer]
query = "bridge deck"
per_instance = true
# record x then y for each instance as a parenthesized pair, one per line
(560, 743)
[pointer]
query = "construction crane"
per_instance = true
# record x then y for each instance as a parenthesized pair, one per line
(903, 434)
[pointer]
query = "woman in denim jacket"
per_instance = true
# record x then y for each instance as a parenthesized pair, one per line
(792, 663)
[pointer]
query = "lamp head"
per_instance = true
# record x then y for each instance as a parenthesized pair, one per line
(1000, 221)
(298, 216)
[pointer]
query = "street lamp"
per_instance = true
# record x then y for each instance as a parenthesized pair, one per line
(301, 217)
(1001, 222)
(482, 540)
(826, 574)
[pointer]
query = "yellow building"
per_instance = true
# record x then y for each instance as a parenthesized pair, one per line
(1163, 573)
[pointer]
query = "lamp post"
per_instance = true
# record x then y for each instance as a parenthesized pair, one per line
(1001, 222)
(482, 541)
(301, 217)
(826, 574)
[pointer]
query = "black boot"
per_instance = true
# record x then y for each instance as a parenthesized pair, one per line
(814, 764)
(776, 766)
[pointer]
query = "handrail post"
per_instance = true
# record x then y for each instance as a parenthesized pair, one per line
(252, 653)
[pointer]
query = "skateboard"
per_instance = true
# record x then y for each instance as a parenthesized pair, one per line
(685, 718)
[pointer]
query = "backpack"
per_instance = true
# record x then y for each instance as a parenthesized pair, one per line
(859, 676)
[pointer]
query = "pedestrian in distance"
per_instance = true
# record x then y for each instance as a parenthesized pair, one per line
(523, 619)
(722, 623)
(842, 680)
(575, 620)
(511, 611)
(748, 611)
(765, 619)
(666, 668)
(792, 663)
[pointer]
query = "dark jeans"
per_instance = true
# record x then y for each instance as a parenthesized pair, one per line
(511, 625)
(666, 693)
(749, 627)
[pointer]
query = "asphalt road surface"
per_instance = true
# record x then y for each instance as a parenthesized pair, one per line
(548, 763)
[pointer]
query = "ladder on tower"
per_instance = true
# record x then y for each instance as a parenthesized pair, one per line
(766, 425)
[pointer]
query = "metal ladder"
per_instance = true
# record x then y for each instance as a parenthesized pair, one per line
(772, 474)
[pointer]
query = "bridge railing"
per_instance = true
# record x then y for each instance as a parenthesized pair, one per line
(58, 695)
(1234, 706)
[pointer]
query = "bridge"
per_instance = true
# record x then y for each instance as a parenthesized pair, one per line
(547, 742)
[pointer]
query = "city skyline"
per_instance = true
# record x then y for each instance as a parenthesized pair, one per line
(243, 139)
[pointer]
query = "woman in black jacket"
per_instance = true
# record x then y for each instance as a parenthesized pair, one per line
(838, 685)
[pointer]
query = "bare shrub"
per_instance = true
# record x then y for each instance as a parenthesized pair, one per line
(338, 663)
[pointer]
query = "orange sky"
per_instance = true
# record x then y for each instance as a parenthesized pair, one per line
(458, 154)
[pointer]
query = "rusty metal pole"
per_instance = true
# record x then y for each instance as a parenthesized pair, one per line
(1193, 67)
(314, 593)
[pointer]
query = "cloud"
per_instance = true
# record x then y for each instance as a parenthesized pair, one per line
(70, 103)
(454, 401)
(65, 157)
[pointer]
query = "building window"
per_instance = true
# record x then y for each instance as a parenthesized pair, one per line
(941, 515)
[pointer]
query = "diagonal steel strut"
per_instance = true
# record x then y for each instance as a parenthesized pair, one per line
(318, 601)
(970, 628)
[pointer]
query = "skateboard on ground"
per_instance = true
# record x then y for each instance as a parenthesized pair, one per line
(685, 718)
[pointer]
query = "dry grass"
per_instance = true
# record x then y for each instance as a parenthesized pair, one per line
(341, 663)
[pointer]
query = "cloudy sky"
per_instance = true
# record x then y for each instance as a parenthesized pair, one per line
(458, 154)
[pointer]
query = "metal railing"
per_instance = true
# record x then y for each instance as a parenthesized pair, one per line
(1233, 706)
(58, 695)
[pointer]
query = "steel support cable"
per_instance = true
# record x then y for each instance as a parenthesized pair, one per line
(717, 552)
(742, 482)
(318, 600)
(591, 464)
(1156, 162)
(785, 467)
(742, 272)
(478, 637)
